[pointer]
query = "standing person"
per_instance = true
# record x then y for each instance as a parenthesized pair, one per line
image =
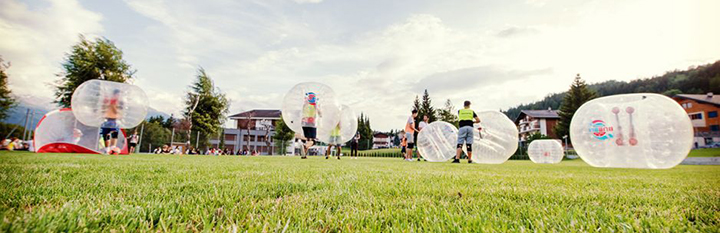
(309, 125)
(467, 118)
(110, 129)
(422, 125)
(335, 141)
(354, 145)
(410, 135)
(133, 141)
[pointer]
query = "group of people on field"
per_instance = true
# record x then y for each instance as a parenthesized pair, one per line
(14, 143)
(310, 114)
(467, 118)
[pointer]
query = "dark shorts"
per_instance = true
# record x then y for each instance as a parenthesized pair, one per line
(109, 133)
(109, 129)
(411, 145)
(132, 144)
(310, 133)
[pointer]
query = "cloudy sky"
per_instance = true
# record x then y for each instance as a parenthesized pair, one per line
(376, 54)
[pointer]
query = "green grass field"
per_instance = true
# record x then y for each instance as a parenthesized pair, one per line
(712, 152)
(389, 150)
(151, 193)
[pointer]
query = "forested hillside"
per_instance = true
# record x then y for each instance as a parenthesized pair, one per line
(696, 80)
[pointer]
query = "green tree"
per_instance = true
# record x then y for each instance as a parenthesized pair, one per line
(695, 80)
(282, 136)
(672, 92)
(7, 102)
(153, 134)
(366, 132)
(98, 59)
(11, 130)
(447, 113)
(169, 122)
(221, 137)
(578, 94)
(416, 104)
(158, 119)
(426, 108)
(206, 107)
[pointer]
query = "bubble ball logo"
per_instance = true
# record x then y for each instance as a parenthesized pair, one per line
(600, 130)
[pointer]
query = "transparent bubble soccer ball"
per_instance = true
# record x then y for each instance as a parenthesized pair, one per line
(96, 100)
(632, 131)
(437, 141)
(348, 128)
(546, 151)
(498, 139)
(310, 104)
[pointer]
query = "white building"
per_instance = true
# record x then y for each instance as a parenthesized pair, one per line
(253, 131)
(381, 140)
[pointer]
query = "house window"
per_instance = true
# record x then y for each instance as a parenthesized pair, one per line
(715, 128)
(712, 114)
(696, 116)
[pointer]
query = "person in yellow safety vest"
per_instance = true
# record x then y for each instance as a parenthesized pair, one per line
(467, 118)
(335, 140)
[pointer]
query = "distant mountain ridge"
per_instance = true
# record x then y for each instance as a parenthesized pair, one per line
(41, 106)
(694, 80)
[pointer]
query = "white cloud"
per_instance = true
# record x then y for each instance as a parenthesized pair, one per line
(257, 50)
(307, 1)
(35, 41)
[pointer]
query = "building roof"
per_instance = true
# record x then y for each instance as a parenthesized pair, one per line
(546, 114)
(708, 98)
(258, 113)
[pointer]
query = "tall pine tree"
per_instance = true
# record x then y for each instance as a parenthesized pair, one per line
(7, 102)
(205, 107)
(365, 131)
(426, 108)
(578, 94)
(98, 59)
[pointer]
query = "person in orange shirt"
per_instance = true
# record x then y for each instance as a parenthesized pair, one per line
(410, 135)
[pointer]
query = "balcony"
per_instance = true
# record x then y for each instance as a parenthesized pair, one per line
(528, 130)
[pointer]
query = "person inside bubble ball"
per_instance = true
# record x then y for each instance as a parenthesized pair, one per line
(467, 118)
(109, 130)
(334, 142)
(310, 113)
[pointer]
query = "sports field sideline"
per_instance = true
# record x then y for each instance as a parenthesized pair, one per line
(72, 192)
